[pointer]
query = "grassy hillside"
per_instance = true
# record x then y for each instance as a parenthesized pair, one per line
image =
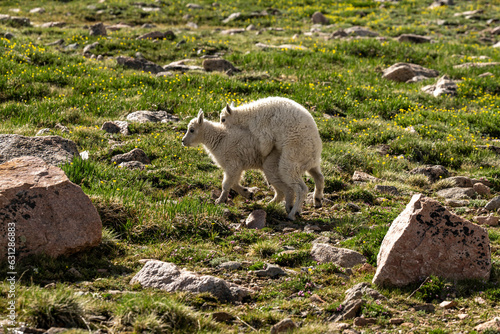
(167, 212)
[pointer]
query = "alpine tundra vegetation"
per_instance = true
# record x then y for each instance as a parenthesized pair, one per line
(405, 99)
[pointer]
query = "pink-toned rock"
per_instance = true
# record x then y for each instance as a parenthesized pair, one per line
(447, 304)
(492, 324)
(167, 276)
(426, 239)
(256, 220)
(50, 214)
(481, 189)
(460, 181)
(487, 220)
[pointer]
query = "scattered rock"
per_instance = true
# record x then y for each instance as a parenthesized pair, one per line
(256, 220)
(194, 6)
(362, 322)
(15, 21)
(132, 165)
(53, 25)
(348, 311)
(447, 304)
(457, 203)
(342, 257)
(119, 26)
(364, 177)
(456, 193)
(460, 181)
(360, 290)
(233, 31)
(167, 276)
(230, 265)
(492, 205)
(73, 271)
(338, 34)
(402, 72)
(139, 64)
(360, 31)
(486, 220)
(285, 325)
(281, 47)
(8, 35)
(366, 268)
(135, 155)
(169, 34)
(433, 172)
(220, 65)
(72, 46)
(54, 150)
(443, 86)
(222, 316)
(480, 65)
(338, 327)
(412, 38)
(489, 325)
(53, 216)
(181, 66)
(486, 74)
(427, 239)
(387, 189)
(481, 189)
(38, 10)
(89, 47)
(144, 116)
(316, 299)
(98, 30)
(271, 270)
(353, 207)
(231, 17)
(116, 127)
(396, 321)
(319, 18)
(470, 13)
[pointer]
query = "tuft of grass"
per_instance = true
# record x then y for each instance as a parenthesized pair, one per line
(443, 184)
(59, 307)
(265, 248)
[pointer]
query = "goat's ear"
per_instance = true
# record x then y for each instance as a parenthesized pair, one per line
(228, 109)
(200, 116)
(232, 104)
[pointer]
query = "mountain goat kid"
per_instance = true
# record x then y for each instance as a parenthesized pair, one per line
(235, 151)
(284, 125)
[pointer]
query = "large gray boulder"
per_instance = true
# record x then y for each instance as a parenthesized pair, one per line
(167, 276)
(50, 214)
(402, 72)
(427, 239)
(54, 150)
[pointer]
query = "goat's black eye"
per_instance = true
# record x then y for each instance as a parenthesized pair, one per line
(191, 130)
(223, 120)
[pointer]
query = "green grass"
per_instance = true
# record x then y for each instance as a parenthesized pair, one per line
(167, 211)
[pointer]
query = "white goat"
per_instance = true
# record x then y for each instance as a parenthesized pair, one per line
(285, 126)
(234, 151)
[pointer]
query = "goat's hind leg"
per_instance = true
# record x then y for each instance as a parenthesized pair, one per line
(319, 185)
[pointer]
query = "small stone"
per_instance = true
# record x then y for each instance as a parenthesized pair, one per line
(364, 177)
(396, 321)
(98, 30)
(116, 127)
(479, 300)
(457, 203)
(479, 65)
(462, 316)
(231, 17)
(486, 74)
(132, 165)
(222, 316)
(220, 65)
(194, 6)
(316, 299)
(433, 172)
(412, 38)
(135, 155)
(443, 86)
(481, 189)
(487, 220)
(491, 325)
(353, 207)
(285, 325)
(230, 265)
(89, 47)
(272, 270)
(493, 205)
(361, 31)
(387, 189)
(73, 271)
(456, 193)
(319, 18)
(342, 257)
(447, 304)
(460, 181)
(256, 220)
(362, 322)
(402, 72)
(37, 10)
